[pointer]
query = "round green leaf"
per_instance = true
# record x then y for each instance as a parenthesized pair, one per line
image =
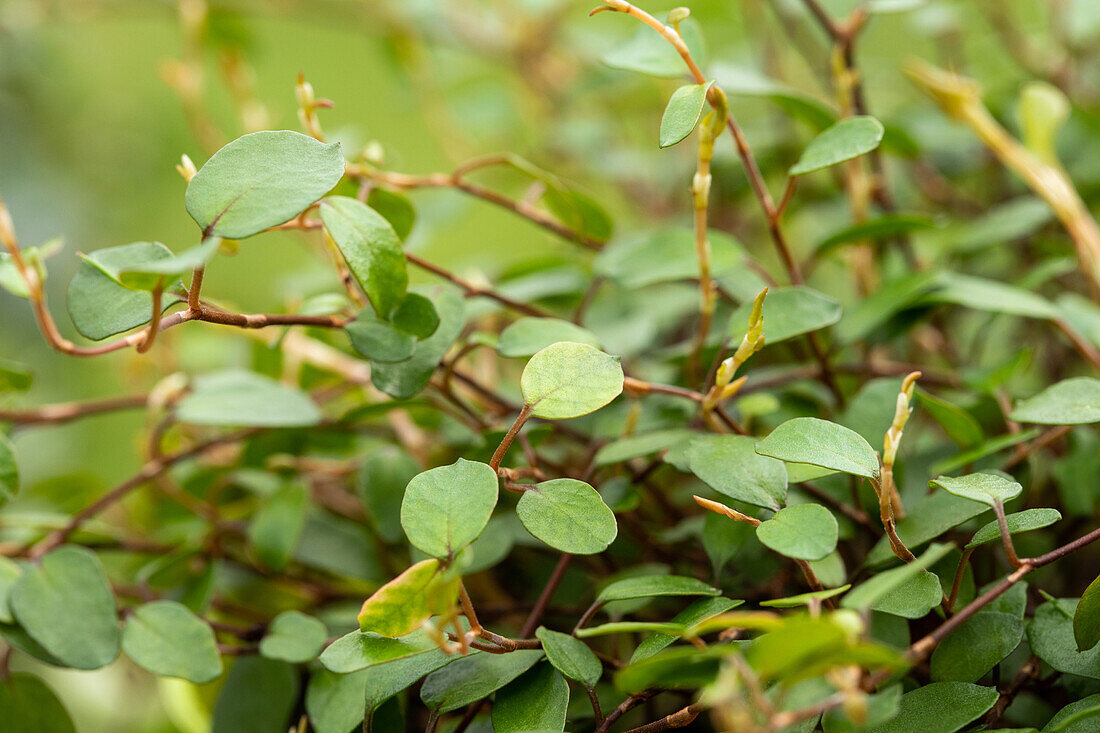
(473, 677)
(1019, 522)
(276, 527)
(416, 315)
(150, 275)
(261, 180)
(1086, 619)
(941, 707)
(682, 114)
(167, 639)
(568, 515)
(407, 378)
(649, 586)
(788, 312)
(101, 307)
(570, 656)
(371, 248)
(380, 340)
(234, 397)
(986, 488)
(66, 605)
(803, 532)
(335, 702)
(9, 471)
(537, 700)
(847, 139)
(28, 704)
(1073, 401)
(397, 209)
(568, 379)
(293, 637)
(529, 335)
(821, 443)
(732, 467)
(446, 508)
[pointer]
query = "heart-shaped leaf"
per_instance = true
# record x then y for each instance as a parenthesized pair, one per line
(802, 532)
(821, 443)
(66, 605)
(235, 397)
(167, 639)
(568, 379)
(403, 604)
(731, 466)
(682, 114)
(568, 515)
(446, 508)
(293, 637)
(371, 248)
(847, 139)
(261, 180)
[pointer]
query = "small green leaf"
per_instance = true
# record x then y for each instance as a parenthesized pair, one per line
(371, 248)
(805, 599)
(261, 180)
(886, 226)
(975, 647)
(528, 335)
(407, 378)
(1052, 637)
(648, 53)
(537, 700)
(66, 605)
(99, 306)
(730, 465)
(403, 604)
(1086, 619)
(11, 279)
(9, 470)
(378, 340)
(570, 656)
(397, 209)
(722, 539)
(234, 397)
(649, 586)
(642, 444)
(167, 639)
(1073, 401)
(941, 707)
(15, 377)
(701, 610)
(276, 527)
(30, 705)
(683, 112)
(1019, 522)
(802, 532)
(360, 650)
(473, 677)
(912, 599)
(446, 508)
(416, 315)
(879, 586)
(259, 695)
(667, 255)
(847, 139)
(788, 312)
(820, 443)
(160, 272)
(293, 637)
(568, 515)
(987, 488)
(568, 379)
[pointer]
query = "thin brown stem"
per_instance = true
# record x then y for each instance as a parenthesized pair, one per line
(513, 431)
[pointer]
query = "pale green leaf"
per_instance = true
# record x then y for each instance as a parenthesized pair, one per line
(379, 340)
(1074, 401)
(682, 114)
(9, 470)
(941, 707)
(360, 650)
(529, 335)
(847, 139)
(820, 443)
(570, 656)
(568, 379)
(293, 637)
(446, 508)
(648, 586)
(802, 532)
(407, 378)
(879, 586)
(569, 515)
(788, 312)
(276, 527)
(234, 397)
(912, 599)
(261, 180)
(1019, 522)
(730, 465)
(371, 248)
(169, 640)
(987, 488)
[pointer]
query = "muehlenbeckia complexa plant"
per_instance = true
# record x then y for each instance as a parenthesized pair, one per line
(775, 455)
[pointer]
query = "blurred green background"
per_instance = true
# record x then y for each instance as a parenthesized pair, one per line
(91, 129)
